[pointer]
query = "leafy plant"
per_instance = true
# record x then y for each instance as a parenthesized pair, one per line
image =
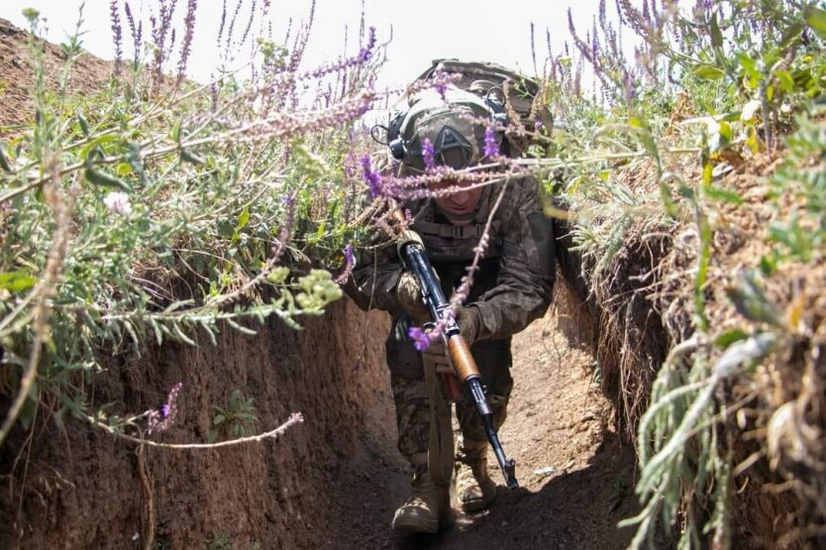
(237, 419)
(159, 207)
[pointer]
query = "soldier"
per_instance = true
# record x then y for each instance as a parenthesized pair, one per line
(511, 288)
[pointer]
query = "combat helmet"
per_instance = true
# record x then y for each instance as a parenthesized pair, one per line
(455, 123)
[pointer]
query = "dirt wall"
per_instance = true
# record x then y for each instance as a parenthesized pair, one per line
(82, 488)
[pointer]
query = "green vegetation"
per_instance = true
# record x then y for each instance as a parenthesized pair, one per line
(717, 87)
(237, 419)
(161, 210)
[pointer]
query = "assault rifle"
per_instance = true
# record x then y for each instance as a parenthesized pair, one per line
(464, 366)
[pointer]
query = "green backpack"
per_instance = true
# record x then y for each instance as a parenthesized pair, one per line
(508, 95)
(483, 78)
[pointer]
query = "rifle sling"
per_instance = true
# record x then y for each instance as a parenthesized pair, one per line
(440, 446)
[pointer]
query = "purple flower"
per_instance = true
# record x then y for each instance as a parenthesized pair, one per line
(117, 34)
(349, 263)
(419, 337)
(165, 419)
(491, 146)
(349, 168)
(186, 46)
(367, 51)
(538, 125)
(373, 179)
(427, 154)
(440, 81)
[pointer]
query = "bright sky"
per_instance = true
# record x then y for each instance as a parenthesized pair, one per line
(422, 30)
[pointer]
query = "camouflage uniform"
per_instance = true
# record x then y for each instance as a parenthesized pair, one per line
(511, 288)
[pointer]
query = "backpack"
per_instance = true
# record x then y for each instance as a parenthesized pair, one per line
(487, 81)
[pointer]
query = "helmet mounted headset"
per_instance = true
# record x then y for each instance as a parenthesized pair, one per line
(454, 123)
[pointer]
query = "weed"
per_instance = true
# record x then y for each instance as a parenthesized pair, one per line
(237, 419)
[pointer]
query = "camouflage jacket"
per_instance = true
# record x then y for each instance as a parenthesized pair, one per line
(513, 284)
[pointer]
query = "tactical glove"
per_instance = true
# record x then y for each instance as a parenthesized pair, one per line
(468, 320)
(409, 296)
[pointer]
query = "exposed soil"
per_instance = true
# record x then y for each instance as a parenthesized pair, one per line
(88, 75)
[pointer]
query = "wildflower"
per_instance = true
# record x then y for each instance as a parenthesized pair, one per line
(349, 165)
(491, 145)
(373, 179)
(165, 419)
(419, 337)
(440, 82)
(136, 32)
(367, 51)
(186, 45)
(118, 203)
(537, 126)
(117, 34)
(427, 154)
(349, 263)
(629, 87)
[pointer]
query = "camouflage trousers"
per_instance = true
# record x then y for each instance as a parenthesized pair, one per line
(410, 393)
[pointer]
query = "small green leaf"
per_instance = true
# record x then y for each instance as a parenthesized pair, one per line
(791, 34)
(816, 18)
(725, 131)
(243, 219)
(786, 81)
(4, 160)
(716, 33)
(707, 72)
(176, 132)
(95, 143)
(729, 337)
(219, 419)
(98, 177)
(84, 124)
(16, 281)
(123, 169)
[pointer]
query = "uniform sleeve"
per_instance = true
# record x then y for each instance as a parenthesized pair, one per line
(372, 284)
(526, 272)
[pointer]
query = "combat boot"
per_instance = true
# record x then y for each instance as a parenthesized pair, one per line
(475, 490)
(428, 508)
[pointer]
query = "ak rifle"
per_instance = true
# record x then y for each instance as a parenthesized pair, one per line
(465, 370)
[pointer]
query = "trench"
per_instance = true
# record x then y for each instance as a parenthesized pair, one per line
(336, 480)
(576, 472)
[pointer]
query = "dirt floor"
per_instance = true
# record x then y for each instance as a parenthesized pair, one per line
(576, 477)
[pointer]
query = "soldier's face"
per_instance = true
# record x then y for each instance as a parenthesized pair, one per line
(460, 205)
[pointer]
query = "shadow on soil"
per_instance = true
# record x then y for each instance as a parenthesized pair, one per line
(568, 511)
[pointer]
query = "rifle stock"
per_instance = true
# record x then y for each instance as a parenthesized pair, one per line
(465, 369)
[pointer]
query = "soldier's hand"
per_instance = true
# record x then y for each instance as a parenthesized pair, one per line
(409, 295)
(468, 320)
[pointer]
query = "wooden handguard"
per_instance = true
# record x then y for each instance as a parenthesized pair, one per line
(463, 361)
